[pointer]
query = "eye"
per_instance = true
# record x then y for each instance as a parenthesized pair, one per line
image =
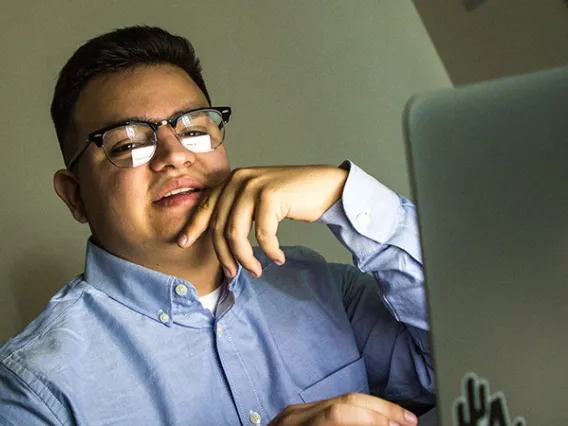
(126, 147)
(121, 147)
(190, 133)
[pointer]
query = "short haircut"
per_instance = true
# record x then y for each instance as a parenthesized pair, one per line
(115, 51)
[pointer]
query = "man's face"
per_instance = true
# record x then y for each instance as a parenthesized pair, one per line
(125, 207)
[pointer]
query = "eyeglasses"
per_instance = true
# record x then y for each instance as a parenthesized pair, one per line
(133, 143)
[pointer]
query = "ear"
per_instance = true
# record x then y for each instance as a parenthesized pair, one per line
(67, 187)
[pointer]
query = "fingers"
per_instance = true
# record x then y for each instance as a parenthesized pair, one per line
(212, 213)
(393, 412)
(267, 219)
(349, 409)
(231, 224)
(229, 211)
(236, 222)
(332, 415)
(200, 219)
(351, 415)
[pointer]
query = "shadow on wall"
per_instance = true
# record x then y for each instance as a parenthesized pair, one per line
(30, 295)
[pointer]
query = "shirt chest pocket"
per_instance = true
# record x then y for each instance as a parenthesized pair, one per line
(349, 379)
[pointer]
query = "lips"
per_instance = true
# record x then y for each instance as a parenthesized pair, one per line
(181, 191)
(180, 199)
(177, 188)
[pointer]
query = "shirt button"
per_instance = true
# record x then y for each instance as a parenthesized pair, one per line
(219, 330)
(364, 218)
(181, 289)
(254, 418)
(164, 317)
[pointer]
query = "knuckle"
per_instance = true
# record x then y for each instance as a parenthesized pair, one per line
(231, 233)
(250, 184)
(334, 414)
(289, 413)
(261, 235)
(216, 225)
(290, 409)
(349, 398)
(268, 194)
(240, 173)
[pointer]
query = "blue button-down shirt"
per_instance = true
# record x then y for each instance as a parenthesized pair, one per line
(119, 346)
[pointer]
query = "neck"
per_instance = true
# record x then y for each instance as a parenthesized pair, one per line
(197, 264)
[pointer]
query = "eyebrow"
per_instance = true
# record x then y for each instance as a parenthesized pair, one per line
(187, 108)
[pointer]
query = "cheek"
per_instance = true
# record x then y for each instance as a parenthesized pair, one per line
(122, 196)
(217, 166)
(129, 190)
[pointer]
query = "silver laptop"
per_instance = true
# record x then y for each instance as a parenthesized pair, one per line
(489, 172)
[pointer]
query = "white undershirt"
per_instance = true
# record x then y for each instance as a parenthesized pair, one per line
(209, 301)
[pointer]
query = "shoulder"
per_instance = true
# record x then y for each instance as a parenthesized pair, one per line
(39, 346)
(307, 270)
(301, 257)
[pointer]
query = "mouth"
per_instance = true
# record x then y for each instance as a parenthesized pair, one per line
(180, 197)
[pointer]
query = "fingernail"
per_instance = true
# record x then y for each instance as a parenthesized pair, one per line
(182, 240)
(391, 423)
(410, 417)
(278, 262)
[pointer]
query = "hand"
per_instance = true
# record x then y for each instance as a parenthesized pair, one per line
(265, 195)
(352, 409)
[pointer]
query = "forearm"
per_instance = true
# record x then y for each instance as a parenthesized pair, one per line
(388, 315)
(380, 229)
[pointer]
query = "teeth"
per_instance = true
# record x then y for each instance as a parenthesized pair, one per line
(178, 191)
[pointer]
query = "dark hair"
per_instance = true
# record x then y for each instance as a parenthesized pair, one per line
(118, 50)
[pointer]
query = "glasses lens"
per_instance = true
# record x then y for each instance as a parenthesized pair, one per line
(201, 131)
(130, 146)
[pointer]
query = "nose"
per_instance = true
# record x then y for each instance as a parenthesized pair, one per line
(169, 151)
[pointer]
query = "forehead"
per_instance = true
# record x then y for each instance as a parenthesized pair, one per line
(154, 92)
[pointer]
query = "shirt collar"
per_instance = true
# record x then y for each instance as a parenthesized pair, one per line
(141, 289)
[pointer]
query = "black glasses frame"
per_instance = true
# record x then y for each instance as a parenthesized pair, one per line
(96, 137)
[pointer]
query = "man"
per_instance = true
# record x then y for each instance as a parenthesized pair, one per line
(177, 319)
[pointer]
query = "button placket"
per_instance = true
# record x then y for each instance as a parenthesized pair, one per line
(229, 346)
(255, 418)
(181, 290)
(165, 318)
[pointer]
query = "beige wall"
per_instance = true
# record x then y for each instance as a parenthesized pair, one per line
(309, 81)
(498, 38)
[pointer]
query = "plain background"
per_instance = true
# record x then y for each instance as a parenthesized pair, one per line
(310, 82)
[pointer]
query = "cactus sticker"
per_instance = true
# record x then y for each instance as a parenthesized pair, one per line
(476, 407)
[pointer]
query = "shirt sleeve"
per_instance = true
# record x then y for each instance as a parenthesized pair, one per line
(21, 405)
(388, 314)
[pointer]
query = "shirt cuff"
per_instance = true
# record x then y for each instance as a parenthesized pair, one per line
(372, 209)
